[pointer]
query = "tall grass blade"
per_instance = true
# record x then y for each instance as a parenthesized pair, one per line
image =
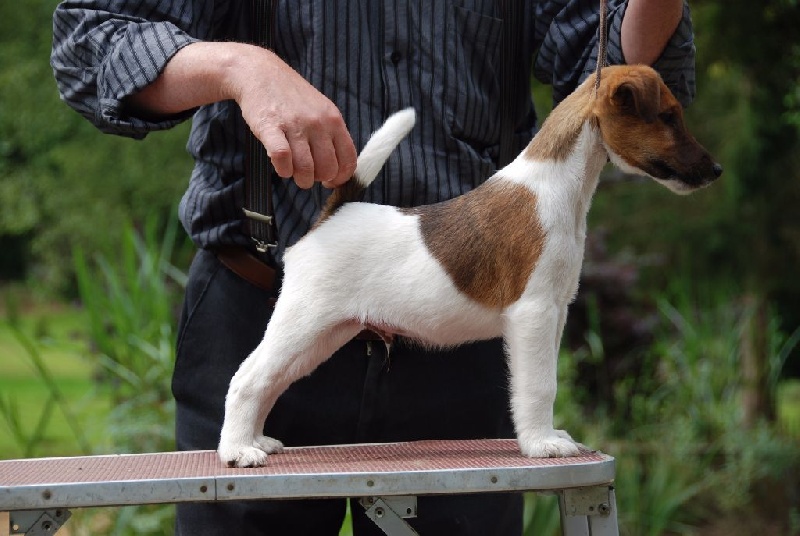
(54, 390)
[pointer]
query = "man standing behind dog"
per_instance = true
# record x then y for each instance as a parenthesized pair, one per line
(341, 67)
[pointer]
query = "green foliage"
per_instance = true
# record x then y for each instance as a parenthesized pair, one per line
(63, 184)
(683, 456)
(541, 516)
(745, 227)
(653, 491)
(130, 295)
(130, 299)
(29, 440)
(788, 393)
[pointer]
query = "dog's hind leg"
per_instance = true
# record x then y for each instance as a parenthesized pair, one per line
(295, 343)
(531, 333)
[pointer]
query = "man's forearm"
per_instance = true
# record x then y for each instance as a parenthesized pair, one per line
(197, 74)
(647, 27)
(302, 130)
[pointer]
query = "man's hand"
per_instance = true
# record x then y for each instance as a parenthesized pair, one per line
(302, 130)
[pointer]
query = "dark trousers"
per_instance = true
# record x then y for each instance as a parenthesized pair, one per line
(359, 395)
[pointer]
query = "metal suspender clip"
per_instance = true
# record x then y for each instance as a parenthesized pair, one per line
(262, 245)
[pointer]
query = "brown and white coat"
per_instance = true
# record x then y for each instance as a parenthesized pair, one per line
(501, 260)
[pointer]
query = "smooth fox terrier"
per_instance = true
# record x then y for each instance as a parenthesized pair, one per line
(501, 260)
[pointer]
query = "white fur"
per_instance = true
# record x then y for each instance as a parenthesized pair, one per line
(368, 265)
(382, 143)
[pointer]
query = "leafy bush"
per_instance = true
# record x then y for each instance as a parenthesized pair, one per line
(683, 455)
(63, 183)
(131, 297)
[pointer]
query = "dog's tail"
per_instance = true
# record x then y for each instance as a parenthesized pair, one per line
(380, 145)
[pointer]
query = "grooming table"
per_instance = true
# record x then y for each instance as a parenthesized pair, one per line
(36, 494)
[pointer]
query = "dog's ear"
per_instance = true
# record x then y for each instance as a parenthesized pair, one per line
(638, 96)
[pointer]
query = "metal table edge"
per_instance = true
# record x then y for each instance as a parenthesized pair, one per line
(422, 482)
(248, 486)
(113, 493)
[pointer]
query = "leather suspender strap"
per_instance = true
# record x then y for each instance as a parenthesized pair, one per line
(511, 71)
(258, 170)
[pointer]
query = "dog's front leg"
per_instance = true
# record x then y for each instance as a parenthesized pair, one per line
(531, 333)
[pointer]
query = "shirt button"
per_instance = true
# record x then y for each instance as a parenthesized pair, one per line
(395, 56)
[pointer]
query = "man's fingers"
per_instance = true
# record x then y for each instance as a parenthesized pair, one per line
(307, 155)
(279, 152)
(302, 130)
(325, 165)
(346, 156)
(303, 163)
(290, 156)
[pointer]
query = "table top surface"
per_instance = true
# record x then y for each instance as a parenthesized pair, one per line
(412, 468)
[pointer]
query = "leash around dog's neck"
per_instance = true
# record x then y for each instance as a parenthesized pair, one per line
(602, 43)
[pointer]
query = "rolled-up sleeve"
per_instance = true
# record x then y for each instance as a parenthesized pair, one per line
(103, 52)
(567, 30)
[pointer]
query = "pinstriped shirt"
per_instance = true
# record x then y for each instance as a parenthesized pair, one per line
(370, 58)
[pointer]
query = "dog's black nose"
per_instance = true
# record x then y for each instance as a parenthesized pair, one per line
(717, 169)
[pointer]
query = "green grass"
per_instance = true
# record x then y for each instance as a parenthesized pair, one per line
(57, 335)
(789, 407)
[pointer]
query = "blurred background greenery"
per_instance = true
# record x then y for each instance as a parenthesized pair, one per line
(681, 354)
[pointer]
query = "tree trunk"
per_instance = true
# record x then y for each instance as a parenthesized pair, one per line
(757, 402)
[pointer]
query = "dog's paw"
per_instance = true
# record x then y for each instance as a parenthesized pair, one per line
(254, 455)
(269, 445)
(548, 444)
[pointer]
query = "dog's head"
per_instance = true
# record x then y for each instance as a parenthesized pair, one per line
(642, 126)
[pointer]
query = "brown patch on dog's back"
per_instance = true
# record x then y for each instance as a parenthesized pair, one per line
(488, 240)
